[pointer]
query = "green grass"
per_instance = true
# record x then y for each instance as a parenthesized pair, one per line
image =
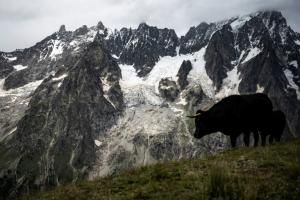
(271, 172)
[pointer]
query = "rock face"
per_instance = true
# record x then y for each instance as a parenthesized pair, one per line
(90, 102)
(196, 38)
(182, 74)
(143, 46)
(220, 52)
(54, 140)
(168, 89)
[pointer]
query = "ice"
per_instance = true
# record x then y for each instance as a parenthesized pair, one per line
(19, 67)
(251, 54)
(129, 76)
(167, 67)
(292, 84)
(146, 89)
(177, 111)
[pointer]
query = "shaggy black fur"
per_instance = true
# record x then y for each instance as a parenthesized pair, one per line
(234, 115)
(276, 124)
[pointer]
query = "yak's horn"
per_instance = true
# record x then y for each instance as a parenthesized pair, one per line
(194, 116)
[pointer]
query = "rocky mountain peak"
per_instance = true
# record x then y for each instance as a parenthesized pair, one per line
(202, 26)
(81, 31)
(271, 17)
(62, 29)
(143, 26)
(100, 26)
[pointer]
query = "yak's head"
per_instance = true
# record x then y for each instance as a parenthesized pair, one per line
(202, 124)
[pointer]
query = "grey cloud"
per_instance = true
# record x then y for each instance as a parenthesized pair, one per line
(25, 22)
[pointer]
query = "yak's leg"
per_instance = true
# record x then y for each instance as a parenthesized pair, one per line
(233, 140)
(263, 139)
(271, 139)
(277, 138)
(256, 137)
(247, 138)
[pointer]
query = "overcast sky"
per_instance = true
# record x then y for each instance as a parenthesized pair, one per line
(25, 22)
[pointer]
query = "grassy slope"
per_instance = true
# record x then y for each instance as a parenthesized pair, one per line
(271, 172)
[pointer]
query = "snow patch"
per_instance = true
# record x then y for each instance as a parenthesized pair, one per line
(60, 77)
(13, 130)
(177, 50)
(289, 75)
(283, 36)
(168, 67)
(98, 143)
(21, 91)
(230, 84)
(294, 63)
(297, 42)
(59, 84)
(239, 22)
(10, 59)
(107, 98)
(259, 89)
(251, 54)
(82, 40)
(198, 73)
(58, 48)
(105, 84)
(177, 111)
(182, 101)
(115, 56)
(19, 67)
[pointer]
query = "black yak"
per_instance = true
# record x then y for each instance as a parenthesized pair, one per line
(276, 124)
(234, 115)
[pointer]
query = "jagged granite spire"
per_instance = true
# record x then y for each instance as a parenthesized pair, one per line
(100, 25)
(62, 29)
